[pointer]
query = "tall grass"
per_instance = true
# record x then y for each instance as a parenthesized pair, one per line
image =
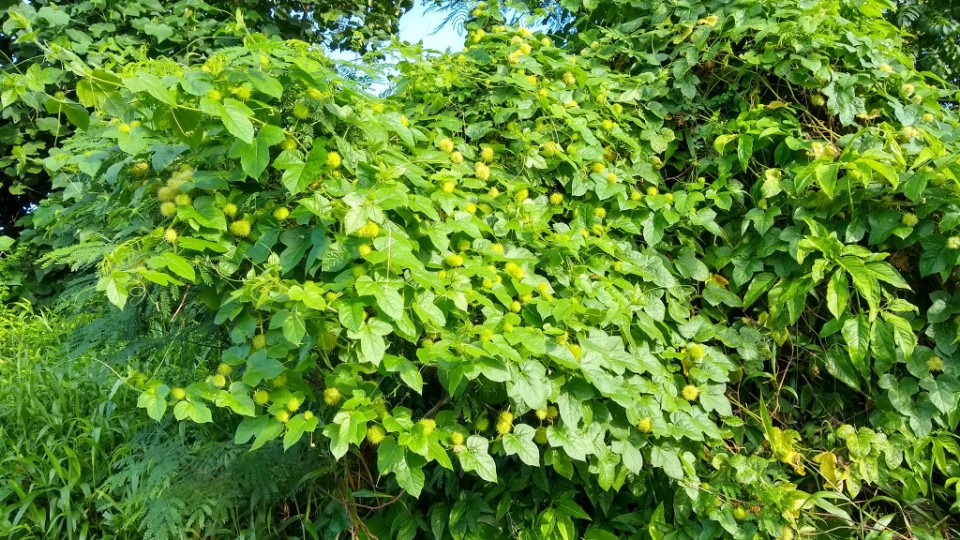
(78, 460)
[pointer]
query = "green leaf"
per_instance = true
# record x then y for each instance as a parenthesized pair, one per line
(160, 31)
(154, 400)
(476, 458)
(838, 293)
(668, 460)
(175, 263)
(256, 157)
(520, 443)
(145, 82)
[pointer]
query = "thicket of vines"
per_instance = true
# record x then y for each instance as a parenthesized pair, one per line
(689, 271)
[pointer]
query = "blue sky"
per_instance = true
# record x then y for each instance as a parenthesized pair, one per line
(417, 25)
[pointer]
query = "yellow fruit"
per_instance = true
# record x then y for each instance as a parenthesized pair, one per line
(404, 121)
(525, 48)
(230, 210)
(377, 107)
(283, 417)
(521, 195)
(218, 381)
(279, 381)
(332, 396)
(170, 235)
(617, 109)
(493, 193)
(571, 104)
(645, 425)
(910, 220)
(507, 327)
(514, 270)
(457, 438)
(307, 415)
(600, 213)
(486, 154)
(448, 186)
(368, 230)
(334, 160)
(240, 228)
(259, 342)
(124, 128)
(429, 425)
(651, 190)
(214, 95)
(453, 260)
(497, 248)
(261, 397)
(364, 250)
(541, 414)
(293, 404)
(696, 351)
(281, 214)
(470, 208)
(690, 392)
(456, 158)
(886, 68)
(611, 178)
(569, 79)
(526, 298)
(482, 171)
(546, 42)
(178, 394)
(515, 306)
(224, 369)
(608, 125)
(556, 199)
(243, 92)
(576, 351)
(315, 93)
(598, 167)
(182, 199)
(928, 117)
(445, 145)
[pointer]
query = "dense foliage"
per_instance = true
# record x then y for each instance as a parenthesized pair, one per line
(39, 97)
(687, 270)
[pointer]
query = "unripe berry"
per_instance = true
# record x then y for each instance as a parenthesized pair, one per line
(645, 425)
(224, 369)
(453, 260)
(457, 438)
(261, 397)
(170, 235)
(182, 199)
(935, 363)
(178, 394)
(456, 158)
(240, 228)
(301, 111)
(556, 199)
(259, 342)
(293, 404)
(696, 351)
(283, 417)
(910, 220)
(448, 186)
(368, 230)
(690, 392)
(364, 250)
(445, 145)
(281, 214)
(218, 381)
(540, 436)
(332, 396)
(230, 210)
